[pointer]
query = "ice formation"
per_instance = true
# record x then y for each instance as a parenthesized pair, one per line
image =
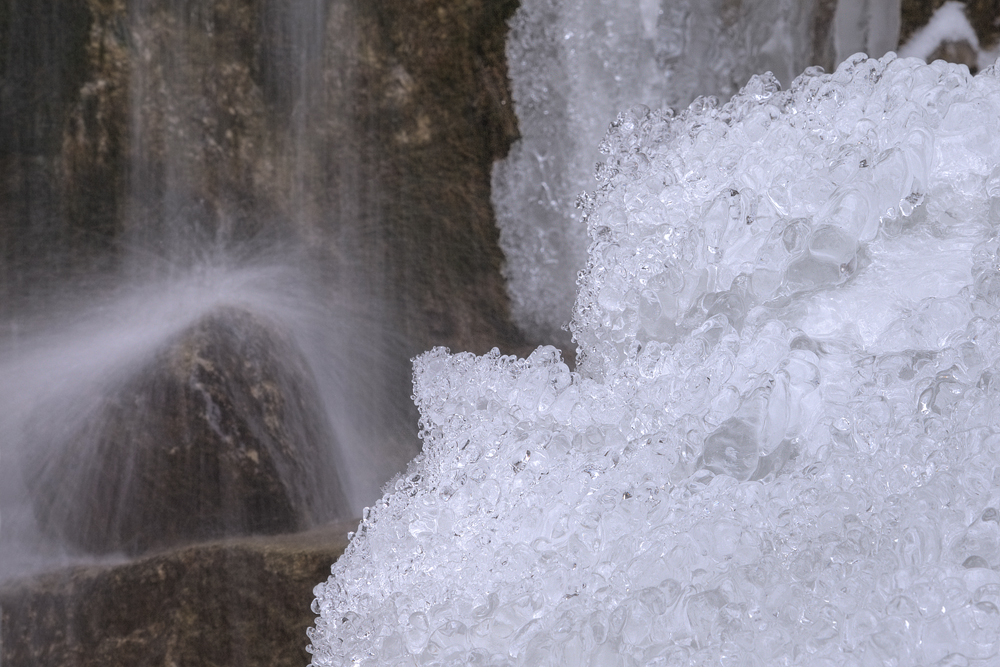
(782, 446)
(871, 26)
(574, 64)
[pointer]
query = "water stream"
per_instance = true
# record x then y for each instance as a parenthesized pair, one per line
(225, 209)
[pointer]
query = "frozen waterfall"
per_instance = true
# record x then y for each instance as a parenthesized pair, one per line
(781, 445)
(574, 64)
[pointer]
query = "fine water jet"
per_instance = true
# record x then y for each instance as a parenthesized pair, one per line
(169, 164)
(238, 360)
(312, 173)
(216, 159)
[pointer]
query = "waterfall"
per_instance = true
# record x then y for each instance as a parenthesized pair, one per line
(241, 193)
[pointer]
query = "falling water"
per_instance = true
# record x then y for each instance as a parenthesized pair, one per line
(239, 196)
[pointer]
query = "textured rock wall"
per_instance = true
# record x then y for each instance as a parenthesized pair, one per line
(364, 131)
(43, 68)
(237, 603)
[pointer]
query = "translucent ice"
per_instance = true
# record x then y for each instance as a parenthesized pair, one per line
(782, 445)
(573, 65)
(871, 26)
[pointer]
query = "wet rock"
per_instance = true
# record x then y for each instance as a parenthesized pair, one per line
(223, 433)
(956, 52)
(238, 602)
(364, 130)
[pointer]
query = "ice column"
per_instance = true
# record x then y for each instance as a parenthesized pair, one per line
(574, 64)
(869, 26)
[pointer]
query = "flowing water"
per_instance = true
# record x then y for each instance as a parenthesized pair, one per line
(210, 224)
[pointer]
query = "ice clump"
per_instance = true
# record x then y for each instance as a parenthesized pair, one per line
(782, 446)
(573, 65)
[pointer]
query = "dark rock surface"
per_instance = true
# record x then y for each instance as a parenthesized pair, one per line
(364, 130)
(222, 433)
(824, 53)
(982, 14)
(242, 602)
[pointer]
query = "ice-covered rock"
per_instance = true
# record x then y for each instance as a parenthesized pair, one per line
(782, 445)
(948, 35)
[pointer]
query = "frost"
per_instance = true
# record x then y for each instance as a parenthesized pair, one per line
(782, 444)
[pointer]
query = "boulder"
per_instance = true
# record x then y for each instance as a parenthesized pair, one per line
(221, 433)
(239, 602)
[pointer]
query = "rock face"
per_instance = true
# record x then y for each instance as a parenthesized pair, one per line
(240, 602)
(363, 129)
(221, 434)
(982, 16)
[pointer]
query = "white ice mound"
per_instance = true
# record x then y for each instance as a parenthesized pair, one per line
(574, 64)
(783, 444)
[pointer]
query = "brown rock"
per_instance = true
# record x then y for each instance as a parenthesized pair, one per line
(364, 130)
(983, 15)
(960, 52)
(43, 67)
(223, 433)
(438, 112)
(239, 602)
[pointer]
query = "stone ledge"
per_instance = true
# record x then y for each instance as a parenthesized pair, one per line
(238, 602)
